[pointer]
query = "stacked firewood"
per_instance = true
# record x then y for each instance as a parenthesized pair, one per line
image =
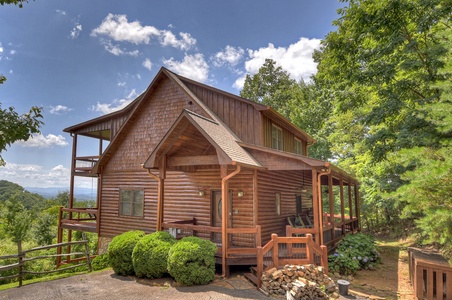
(299, 282)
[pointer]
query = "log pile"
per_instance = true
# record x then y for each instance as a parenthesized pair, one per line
(299, 282)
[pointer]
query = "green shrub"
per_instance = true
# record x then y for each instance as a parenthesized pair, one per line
(120, 251)
(192, 261)
(354, 252)
(100, 262)
(150, 255)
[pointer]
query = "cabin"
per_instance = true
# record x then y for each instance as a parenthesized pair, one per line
(194, 160)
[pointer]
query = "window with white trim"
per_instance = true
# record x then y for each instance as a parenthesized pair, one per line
(297, 146)
(277, 142)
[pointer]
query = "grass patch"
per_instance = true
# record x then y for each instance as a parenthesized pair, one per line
(44, 279)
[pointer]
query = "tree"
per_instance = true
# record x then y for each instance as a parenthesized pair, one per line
(15, 2)
(18, 220)
(270, 86)
(15, 127)
(386, 68)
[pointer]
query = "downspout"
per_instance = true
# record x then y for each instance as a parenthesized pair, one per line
(159, 204)
(225, 217)
(319, 197)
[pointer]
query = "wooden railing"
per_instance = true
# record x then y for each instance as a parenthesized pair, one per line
(84, 164)
(241, 241)
(280, 251)
(83, 219)
(430, 275)
(22, 259)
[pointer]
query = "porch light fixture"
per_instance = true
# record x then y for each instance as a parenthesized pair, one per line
(240, 193)
(201, 192)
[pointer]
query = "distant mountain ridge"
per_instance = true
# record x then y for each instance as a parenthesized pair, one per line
(80, 193)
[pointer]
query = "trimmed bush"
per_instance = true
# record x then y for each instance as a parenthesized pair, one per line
(100, 262)
(150, 255)
(191, 261)
(120, 251)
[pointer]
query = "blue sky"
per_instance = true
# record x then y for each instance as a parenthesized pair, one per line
(82, 59)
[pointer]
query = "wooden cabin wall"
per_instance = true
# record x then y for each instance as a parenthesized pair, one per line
(288, 136)
(149, 126)
(288, 184)
(182, 200)
(241, 117)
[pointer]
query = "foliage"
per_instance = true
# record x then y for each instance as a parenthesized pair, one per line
(387, 69)
(270, 86)
(15, 2)
(15, 127)
(120, 251)
(191, 261)
(45, 229)
(17, 220)
(354, 252)
(150, 254)
(100, 262)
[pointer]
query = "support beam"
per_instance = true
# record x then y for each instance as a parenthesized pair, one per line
(331, 200)
(225, 214)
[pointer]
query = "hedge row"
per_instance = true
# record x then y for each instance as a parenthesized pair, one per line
(189, 261)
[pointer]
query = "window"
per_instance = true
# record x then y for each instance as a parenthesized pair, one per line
(297, 146)
(278, 203)
(131, 203)
(276, 138)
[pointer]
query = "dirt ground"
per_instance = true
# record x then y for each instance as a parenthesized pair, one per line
(390, 280)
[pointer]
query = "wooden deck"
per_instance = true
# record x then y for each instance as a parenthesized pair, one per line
(80, 219)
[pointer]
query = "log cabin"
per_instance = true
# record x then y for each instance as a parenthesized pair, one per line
(194, 160)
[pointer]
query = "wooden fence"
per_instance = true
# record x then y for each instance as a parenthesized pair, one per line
(21, 257)
(430, 275)
(280, 251)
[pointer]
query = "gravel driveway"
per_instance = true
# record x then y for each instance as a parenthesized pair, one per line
(107, 285)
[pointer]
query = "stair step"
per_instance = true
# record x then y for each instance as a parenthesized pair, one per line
(251, 277)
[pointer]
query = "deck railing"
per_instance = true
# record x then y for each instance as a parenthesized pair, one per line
(280, 251)
(241, 241)
(83, 219)
(84, 164)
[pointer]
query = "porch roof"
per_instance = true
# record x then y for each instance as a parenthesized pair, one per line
(226, 144)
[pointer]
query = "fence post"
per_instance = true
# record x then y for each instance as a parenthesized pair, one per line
(20, 257)
(275, 253)
(260, 265)
(88, 258)
(325, 258)
(309, 243)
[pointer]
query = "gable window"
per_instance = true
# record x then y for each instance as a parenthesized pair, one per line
(131, 203)
(277, 138)
(297, 146)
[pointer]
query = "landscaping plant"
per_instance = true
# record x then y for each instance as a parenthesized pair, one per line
(150, 255)
(120, 251)
(354, 252)
(191, 261)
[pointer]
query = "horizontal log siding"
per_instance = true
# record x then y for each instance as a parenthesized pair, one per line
(287, 183)
(149, 126)
(111, 223)
(182, 200)
(241, 117)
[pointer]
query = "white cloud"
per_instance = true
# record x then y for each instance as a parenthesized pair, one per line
(60, 12)
(11, 72)
(193, 67)
(119, 29)
(59, 109)
(296, 59)
(12, 52)
(41, 141)
(117, 104)
(30, 175)
(229, 55)
(167, 38)
(240, 82)
(122, 84)
(75, 32)
(116, 49)
(147, 64)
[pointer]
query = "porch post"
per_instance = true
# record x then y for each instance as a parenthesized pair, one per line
(161, 193)
(357, 205)
(225, 215)
(316, 208)
(341, 183)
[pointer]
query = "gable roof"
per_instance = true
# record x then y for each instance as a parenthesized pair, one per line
(226, 144)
